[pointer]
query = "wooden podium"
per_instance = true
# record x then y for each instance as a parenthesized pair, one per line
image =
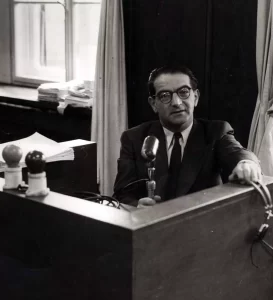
(193, 247)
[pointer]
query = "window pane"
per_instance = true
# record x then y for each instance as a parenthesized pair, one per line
(40, 41)
(85, 30)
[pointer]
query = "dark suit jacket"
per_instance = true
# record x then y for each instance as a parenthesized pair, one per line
(211, 149)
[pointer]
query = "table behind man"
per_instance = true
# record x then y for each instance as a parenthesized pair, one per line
(192, 153)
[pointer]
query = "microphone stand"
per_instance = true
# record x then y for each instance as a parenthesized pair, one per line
(151, 184)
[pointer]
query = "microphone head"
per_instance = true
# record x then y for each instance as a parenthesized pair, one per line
(150, 147)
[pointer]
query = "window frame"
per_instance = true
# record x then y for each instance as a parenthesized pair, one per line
(17, 80)
(8, 38)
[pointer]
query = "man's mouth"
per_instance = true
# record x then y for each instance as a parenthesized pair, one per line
(177, 112)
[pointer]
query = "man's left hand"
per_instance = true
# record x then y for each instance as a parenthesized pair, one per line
(245, 171)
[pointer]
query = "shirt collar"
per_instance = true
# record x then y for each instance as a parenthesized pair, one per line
(169, 135)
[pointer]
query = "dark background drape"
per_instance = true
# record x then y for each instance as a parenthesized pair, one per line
(216, 39)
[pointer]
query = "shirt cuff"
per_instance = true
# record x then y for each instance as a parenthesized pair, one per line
(248, 161)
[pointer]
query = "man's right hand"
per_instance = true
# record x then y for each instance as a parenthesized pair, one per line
(147, 202)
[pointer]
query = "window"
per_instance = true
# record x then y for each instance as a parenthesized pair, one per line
(54, 40)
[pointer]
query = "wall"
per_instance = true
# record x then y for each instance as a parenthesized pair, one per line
(216, 39)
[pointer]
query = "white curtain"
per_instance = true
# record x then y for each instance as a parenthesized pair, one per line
(109, 115)
(261, 132)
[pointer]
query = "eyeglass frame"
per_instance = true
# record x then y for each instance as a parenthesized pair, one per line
(171, 93)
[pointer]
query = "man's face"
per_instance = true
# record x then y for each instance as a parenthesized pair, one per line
(178, 114)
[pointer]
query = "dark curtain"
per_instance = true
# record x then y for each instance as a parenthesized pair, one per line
(216, 39)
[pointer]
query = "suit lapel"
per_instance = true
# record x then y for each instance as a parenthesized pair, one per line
(194, 153)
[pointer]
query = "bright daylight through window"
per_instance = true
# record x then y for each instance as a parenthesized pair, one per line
(55, 40)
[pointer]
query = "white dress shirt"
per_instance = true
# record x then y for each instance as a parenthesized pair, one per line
(170, 140)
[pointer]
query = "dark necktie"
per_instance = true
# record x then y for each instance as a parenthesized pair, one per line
(174, 168)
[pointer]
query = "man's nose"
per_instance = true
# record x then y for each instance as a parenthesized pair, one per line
(176, 100)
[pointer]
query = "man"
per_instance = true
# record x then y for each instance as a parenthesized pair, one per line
(192, 154)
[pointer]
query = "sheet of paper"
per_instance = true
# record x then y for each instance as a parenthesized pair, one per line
(38, 142)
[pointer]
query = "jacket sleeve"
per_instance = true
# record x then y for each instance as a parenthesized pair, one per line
(127, 173)
(229, 151)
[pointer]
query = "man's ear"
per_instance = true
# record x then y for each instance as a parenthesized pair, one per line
(196, 97)
(152, 102)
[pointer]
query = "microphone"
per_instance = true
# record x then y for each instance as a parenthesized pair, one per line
(148, 152)
(149, 148)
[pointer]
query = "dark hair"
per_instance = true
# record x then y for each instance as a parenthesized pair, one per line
(170, 70)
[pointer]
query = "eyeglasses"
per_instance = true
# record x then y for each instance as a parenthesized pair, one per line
(166, 97)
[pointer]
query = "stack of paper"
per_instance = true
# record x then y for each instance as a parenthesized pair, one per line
(77, 101)
(51, 149)
(57, 91)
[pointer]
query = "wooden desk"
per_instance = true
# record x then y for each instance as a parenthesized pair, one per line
(21, 114)
(193, 247)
